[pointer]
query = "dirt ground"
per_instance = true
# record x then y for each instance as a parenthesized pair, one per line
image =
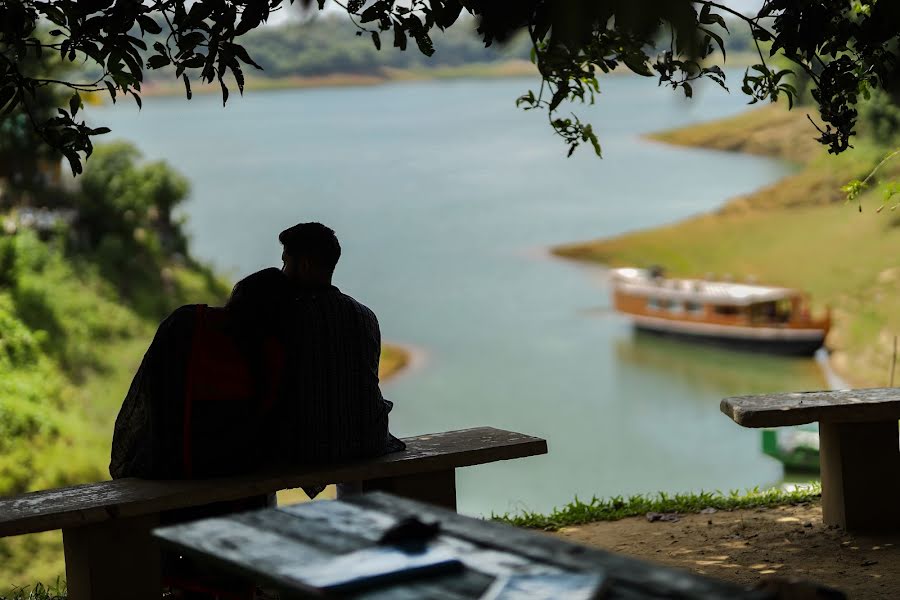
(745, 546)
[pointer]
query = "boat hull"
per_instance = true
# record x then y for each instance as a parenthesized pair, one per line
(796, 448)
(804, 346)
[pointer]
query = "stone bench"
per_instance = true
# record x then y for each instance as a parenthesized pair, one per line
(106, 526)
(859, 457)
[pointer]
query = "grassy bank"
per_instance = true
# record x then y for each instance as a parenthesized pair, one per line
(579, 512)
(70, 341)
(798, 232)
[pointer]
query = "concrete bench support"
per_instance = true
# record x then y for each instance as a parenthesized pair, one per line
(438, 488)
(109, 560)
(859, 448)
(860, 466)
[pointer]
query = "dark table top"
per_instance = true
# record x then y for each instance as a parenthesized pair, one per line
(261, 544)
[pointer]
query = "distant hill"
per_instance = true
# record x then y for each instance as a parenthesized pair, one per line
(326, 50)
(329, 45)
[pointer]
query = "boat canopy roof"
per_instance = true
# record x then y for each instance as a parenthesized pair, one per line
(641, 282)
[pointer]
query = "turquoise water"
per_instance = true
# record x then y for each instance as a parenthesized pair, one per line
(445, 198)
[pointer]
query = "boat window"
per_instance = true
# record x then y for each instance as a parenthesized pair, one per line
(783, 310)
(763, 312)
(659, 304)
(727, 310)
(676, 307)
(694, 308)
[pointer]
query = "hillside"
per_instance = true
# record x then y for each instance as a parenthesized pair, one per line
(68, 349)
(798, 232)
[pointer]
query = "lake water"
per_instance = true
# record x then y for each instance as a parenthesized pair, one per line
(445, 198)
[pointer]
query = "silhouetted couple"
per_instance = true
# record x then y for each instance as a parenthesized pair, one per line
(285, 373)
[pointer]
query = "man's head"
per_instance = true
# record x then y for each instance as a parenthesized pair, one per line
(311, 251)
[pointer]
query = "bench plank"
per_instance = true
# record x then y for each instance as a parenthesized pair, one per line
(797, 408)
(97, 502)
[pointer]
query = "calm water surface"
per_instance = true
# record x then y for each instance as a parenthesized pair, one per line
(445, 198)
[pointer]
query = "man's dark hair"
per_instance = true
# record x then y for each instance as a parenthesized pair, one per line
(314, 241)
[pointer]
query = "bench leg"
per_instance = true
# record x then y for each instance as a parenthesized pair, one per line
(113, 560)
(438, 488)
(860, 464)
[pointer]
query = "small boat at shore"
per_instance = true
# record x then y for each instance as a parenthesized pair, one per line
(797, 448)
(743, 315)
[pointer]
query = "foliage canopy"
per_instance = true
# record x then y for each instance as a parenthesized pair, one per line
(845, 47)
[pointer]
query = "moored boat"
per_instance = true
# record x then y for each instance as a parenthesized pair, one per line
(797, 448)
(744, 315)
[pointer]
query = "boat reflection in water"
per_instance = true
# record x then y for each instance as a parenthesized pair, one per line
(721, 371)
(754, 317)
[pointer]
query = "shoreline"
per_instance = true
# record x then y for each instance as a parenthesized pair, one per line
(792, 232)
(511, 69)
(503, 69)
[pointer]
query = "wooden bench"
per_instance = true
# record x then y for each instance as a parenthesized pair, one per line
(859, 457)
(106, 526)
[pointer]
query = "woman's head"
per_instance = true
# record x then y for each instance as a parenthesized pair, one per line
(260, 302)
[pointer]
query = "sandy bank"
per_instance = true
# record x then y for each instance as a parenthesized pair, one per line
(394, 359)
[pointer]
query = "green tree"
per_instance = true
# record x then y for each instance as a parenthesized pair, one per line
(846, 48)
(131, 202)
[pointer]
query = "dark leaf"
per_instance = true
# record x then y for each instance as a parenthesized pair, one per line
(375, 12)
(423, 41)
(399, 37)
(74, 103)
(448, 13)
(242, 54)
(149, 25)
(112, 90)
(157, 61)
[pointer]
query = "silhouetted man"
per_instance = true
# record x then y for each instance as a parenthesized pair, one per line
(331, 408)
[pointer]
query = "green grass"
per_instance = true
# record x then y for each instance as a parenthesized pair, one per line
(38, 592)
(620, 507)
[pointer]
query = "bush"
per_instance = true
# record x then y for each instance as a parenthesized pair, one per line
(131, 202)
(880, 117)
